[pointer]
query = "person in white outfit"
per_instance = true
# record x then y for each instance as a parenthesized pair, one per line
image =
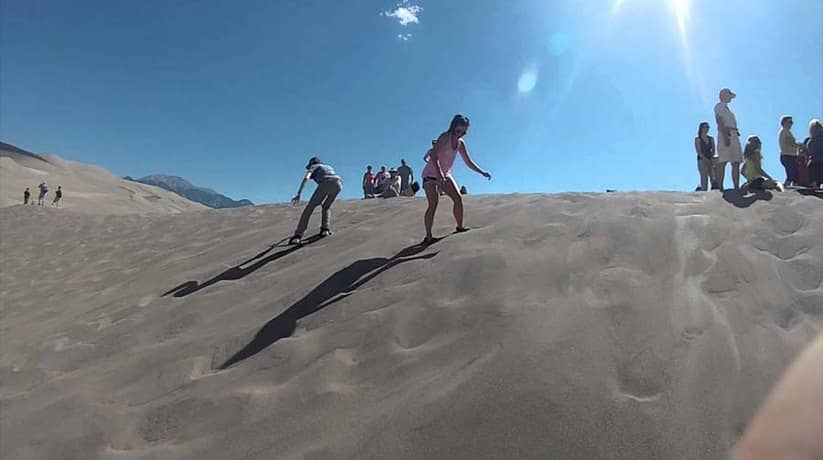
(729, 149)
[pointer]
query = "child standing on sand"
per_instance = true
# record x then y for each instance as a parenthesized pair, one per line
(438, 171)
(329, 185)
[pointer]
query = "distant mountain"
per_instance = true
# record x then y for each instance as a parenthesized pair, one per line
(188, 190)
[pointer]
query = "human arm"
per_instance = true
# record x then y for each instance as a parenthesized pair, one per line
(464, 153)
(296, 198)
(697, 147)
(789, 423)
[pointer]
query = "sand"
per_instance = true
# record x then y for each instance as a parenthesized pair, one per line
(86, 188)
(573, 326)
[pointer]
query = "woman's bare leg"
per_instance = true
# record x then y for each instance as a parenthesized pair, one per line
(736, 175)
(433, 198)
(453, 191)
(721, 174)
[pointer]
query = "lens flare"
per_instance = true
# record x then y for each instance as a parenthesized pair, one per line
(527, 81)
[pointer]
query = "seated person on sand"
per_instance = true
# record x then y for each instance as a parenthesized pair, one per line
(380, 181)
(752, 170)
(392, 185)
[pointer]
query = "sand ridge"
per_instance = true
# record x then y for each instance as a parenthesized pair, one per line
(580, 326)
(86, 188)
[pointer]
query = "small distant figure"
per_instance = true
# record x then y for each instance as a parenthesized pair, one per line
(392, 186)
(438, 170)
(728, 139)
(789, 151)
(704, 145)
(368, 183)
(329, 186)
(752, 170)
(58, 195)
(463, 190)
(814, 149)
(406, 178)
(26, 196)
(41, 197)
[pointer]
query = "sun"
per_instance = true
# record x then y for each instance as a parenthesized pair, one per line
(680, 9)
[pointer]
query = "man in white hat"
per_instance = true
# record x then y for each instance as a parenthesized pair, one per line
(728, 139)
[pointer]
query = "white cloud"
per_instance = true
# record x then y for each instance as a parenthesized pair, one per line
(404, 37)
(405, 13)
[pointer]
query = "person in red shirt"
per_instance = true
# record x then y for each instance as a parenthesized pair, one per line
(368, 183)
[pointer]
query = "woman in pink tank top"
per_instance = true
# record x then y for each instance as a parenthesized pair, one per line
(438, 171)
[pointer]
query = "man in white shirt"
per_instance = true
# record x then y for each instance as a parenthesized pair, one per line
(392, 185)
(728, 139)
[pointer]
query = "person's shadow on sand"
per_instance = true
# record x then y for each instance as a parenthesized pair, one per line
(742, 200)
(811, 192)
(334, 289)
(238, 271)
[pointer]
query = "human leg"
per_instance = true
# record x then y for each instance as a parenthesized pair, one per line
(433, 198)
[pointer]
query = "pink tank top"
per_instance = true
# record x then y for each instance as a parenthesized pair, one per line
(446, 158)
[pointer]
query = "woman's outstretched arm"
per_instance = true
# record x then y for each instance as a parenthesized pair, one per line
(464, 153)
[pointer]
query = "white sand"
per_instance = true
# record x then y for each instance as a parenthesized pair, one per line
(617, 326)
(86, 188)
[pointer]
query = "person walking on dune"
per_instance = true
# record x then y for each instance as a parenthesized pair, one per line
(729, 149)
(26, 196)
(58, 195)
(439, 171)
(329, 186)
(41, 197)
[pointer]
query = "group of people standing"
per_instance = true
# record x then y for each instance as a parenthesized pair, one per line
(41, 197)
(803, 161)
(391, 183)
(437, 179)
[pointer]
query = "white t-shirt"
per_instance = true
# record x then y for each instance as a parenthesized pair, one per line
(725, 116)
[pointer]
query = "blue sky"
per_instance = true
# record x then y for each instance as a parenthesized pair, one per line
(564, 95)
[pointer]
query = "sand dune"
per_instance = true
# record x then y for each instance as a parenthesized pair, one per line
(573, 326)
(86, 188)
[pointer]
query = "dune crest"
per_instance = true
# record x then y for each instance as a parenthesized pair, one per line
(87, 188)
(575, 326)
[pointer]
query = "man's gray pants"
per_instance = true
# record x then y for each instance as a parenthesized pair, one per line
(324, 196)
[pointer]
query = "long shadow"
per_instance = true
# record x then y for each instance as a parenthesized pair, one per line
(238, 271)
(742, 200)
(811, 192)
(334, 289)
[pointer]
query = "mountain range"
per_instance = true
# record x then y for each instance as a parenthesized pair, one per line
(186, 189)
